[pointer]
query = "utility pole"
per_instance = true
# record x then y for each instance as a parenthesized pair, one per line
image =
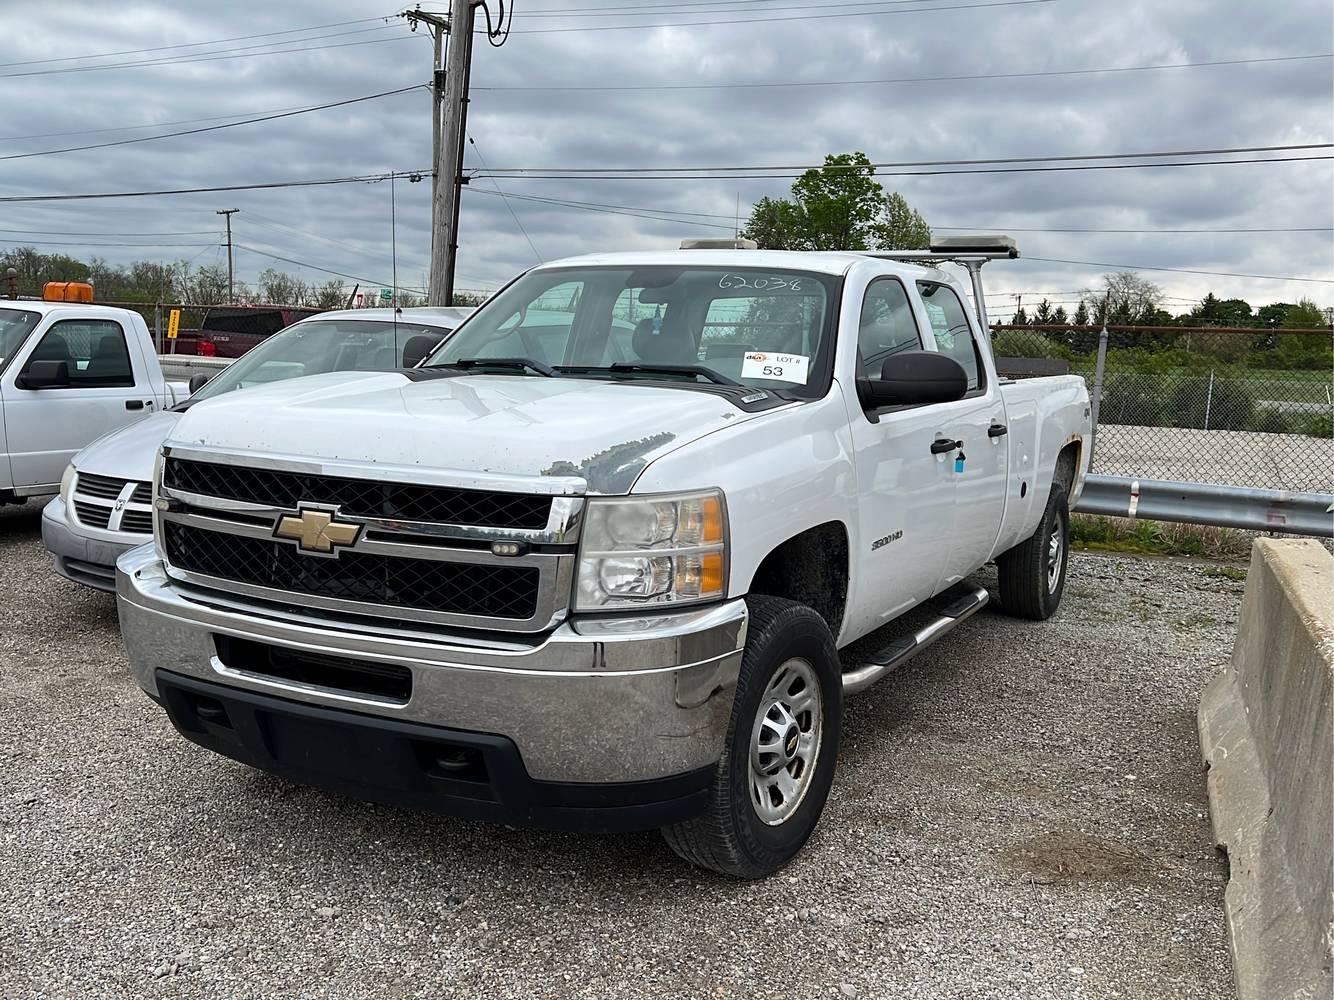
(449, 131)
(449, 165)
(231, 281)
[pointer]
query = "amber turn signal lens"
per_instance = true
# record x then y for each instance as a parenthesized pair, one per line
(711, 574)
(712, 510)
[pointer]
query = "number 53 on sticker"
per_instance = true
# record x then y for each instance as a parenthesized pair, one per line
(782, 367)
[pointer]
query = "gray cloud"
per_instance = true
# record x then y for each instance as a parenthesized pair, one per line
(1266, 104)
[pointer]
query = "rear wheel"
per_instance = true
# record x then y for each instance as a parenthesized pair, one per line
(782, 744)
(1032, 574)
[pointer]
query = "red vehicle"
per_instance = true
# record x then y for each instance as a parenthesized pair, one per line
(230, 331)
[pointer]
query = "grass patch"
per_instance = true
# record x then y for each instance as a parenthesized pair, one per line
(1096, 533)
(1227, 573)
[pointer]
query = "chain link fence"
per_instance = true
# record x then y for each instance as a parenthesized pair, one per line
(1237, 407)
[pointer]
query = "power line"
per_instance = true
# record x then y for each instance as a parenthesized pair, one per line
(571, 203)
(648, 11)
(212, 128)
(267, 223)
(477, 150)
(186, 45)
(793, 17)
(135, 128)
(911, 173)
(223, 54)
(1132, 232)
(56, 232)
(626, 208)
(911, 79)
(924, 163)
(316, 267)
(268, 185)
(1180, 270)
(75, 243)
(588, 207)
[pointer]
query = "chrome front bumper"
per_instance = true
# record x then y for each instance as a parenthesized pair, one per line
(606, 700)
(84, 555)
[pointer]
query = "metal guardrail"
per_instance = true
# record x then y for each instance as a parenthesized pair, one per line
(1281, 511)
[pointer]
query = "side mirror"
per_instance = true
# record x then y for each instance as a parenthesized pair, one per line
(417, 348)
(198, 380)
(46, 375)
(914, 378)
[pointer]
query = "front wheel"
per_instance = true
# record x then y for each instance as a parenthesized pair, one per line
(1032, 574)
(782, 744)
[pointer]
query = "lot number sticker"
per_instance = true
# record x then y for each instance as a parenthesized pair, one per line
(782, 367)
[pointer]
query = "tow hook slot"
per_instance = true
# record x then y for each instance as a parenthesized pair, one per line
(210, 710)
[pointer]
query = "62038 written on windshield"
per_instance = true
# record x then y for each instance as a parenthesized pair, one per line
(762, 283)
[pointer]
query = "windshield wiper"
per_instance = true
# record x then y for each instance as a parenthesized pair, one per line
(634, 367)
(522, 364)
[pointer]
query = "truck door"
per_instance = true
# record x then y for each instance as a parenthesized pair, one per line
(106, 390)
(977, 420)
(906, 494)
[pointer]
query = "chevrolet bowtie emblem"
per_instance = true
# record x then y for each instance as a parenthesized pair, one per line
(317, 531)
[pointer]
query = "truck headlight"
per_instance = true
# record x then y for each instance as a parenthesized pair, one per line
(652, 550)
(67, 483)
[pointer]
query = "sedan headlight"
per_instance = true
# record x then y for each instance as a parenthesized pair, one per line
(67, 483)
(652, 550)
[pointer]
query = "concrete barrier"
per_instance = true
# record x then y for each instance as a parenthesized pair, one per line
(1268, 741)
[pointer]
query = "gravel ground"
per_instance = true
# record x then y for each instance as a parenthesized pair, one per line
(1020, 811)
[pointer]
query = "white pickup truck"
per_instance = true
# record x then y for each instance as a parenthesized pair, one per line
(604, 560)
(69, 373)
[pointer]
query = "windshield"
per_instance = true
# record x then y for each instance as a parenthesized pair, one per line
(316, 346)
(763, 328)
(15, 325)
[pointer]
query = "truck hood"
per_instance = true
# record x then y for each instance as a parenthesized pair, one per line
(475, 425)
(128, 453)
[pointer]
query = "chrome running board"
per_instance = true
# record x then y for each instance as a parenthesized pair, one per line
(956, 609)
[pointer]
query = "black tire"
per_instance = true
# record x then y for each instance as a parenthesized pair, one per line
(730, 837)
(1024, 571)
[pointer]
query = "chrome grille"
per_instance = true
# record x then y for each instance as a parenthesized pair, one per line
(394, 549)
(359, 497)
(508, 592)
(113, 504)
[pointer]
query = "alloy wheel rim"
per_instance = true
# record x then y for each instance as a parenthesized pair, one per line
(785, 742)
(1054, 547)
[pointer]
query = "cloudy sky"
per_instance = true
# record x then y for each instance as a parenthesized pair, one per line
(210, 63)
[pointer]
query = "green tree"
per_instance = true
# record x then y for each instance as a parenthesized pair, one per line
(1309, 351)
(838, 206)
(1305, 315)
(901, 227)
(841, 202)
(777, 224)
(1273, 314)
(1081, 317)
